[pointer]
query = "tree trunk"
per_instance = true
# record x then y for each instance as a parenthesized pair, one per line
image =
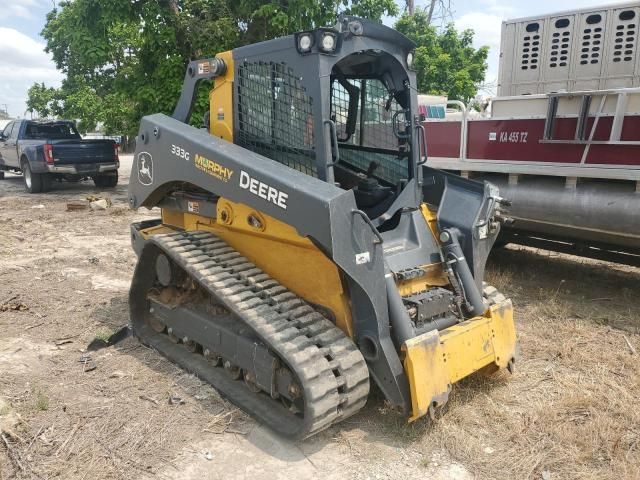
(411, 6)
(432, 7)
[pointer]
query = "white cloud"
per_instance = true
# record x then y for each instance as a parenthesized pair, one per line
(21, 8)
(499, 8)
(23, 61)
(486, 29)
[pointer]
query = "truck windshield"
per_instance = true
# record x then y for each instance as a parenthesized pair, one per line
(52, 131)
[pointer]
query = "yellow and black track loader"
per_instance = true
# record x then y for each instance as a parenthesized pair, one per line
(305, 249)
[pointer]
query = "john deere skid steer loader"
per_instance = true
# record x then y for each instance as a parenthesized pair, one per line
(305, 249)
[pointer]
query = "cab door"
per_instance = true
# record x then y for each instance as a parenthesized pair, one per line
(9, 145)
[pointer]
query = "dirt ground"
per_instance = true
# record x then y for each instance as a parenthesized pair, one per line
(570, 410)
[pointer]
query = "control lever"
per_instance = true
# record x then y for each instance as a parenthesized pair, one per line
(387, 104)
(373, 166)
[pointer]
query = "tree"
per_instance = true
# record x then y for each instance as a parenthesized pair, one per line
(445, 62)
(126, 58)
(130, 52)
(42, 100)
(435, 9)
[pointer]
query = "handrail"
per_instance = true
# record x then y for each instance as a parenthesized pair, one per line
(422, 144)
(578, 93)
(463, 126)
(335, 150)
(368, 221)
(394, 124)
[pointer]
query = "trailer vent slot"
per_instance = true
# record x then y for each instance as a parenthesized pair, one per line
(591, 41)
(624, 44)
(560, 44)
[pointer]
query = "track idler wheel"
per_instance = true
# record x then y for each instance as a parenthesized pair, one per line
(191, 345)
(212, 357)
(156, 324)
(232, 370)
(250, 382)
(172, 336)
(164, 272)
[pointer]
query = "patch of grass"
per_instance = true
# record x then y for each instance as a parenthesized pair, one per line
(119, 211)
(501, 277)
(42, 401)
(103, 334)
(570, 407)
(395, 426)
(4, 409)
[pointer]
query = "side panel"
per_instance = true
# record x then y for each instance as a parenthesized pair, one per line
(591, 31)
(621, 49)
(518, 140)
(269, 244)
(443, 138)
(528, 41)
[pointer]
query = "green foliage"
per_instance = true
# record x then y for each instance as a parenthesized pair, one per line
(267, 20)
(126, 58)
(103, 334)
(445, 62)
(83, 102)
(41, 401)
(42, 99)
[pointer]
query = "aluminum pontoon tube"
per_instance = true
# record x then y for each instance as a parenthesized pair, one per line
(603, 211)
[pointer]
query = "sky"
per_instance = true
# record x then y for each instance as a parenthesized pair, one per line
(23, 60)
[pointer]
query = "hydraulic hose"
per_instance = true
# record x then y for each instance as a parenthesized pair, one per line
(453, 256)
(401, 326)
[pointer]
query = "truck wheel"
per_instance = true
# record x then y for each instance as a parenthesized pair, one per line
(34, 182)
(105, 181)
(1, 174)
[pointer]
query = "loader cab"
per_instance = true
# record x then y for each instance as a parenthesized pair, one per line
(370, 108)
(335, 104)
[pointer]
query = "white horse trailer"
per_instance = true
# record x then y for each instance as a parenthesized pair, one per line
(562, 140)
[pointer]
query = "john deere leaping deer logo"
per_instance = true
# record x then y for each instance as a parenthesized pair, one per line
(145, 168)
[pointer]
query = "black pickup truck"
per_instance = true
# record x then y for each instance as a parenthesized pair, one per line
(44, 151)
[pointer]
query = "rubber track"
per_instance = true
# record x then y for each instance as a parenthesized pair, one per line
(331, 370)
